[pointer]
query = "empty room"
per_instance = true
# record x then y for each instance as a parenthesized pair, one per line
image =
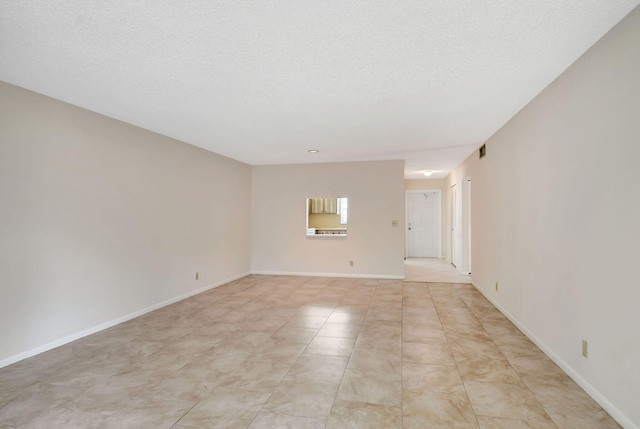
(411, 214)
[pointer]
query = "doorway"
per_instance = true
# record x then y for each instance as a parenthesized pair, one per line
(456, 228)
(424, 224)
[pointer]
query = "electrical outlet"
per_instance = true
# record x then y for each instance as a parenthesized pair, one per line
(585, 349)
(197, 276)
(351, 263)
(496, 286)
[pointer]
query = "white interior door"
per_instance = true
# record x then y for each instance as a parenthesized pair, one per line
(423, 224)
(456, 229)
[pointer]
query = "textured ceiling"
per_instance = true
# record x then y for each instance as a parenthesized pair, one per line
(264, 81)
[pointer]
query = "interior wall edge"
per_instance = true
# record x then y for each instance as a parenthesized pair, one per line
(101, 327)
(594, 393)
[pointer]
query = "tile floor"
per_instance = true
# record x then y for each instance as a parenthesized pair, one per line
(432, 270)
(303, 353)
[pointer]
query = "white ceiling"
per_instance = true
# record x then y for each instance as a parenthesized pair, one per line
(264, 81)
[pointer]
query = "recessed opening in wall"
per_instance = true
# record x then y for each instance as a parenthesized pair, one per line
(327, 217)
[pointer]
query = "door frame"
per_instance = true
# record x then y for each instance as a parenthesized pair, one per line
(456, 223)
(467, 235)
(406, 218)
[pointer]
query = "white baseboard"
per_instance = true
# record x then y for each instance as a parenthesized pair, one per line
(343, 275)
(105, 325)
(614, 411)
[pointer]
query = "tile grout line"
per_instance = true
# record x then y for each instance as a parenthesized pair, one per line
(475, 415)
(285, 375)
(509, 362)
(289, 370)
(348, 360)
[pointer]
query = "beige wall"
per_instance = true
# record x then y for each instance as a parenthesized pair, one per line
(432, 184)
(101, 220)
(555, 219)
(376, 198)
(425, 184)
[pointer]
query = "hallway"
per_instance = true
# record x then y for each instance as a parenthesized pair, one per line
(432, 270)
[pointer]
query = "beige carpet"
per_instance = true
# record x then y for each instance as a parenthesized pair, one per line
(433, 270)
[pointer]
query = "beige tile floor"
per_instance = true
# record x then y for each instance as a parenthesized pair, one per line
(432, 270)
(303, 352)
